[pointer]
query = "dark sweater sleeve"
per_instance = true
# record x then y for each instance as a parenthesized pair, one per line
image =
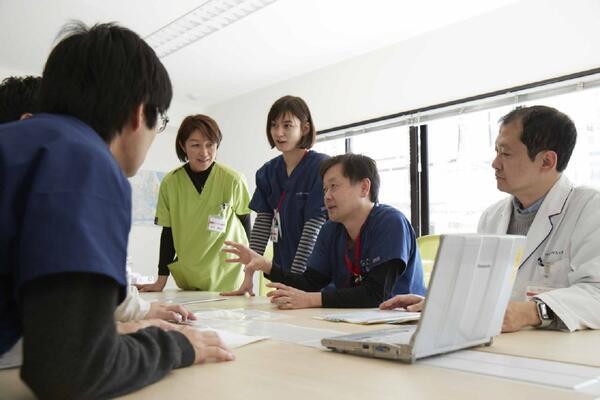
(245, 220)
(167, 251)
(71, 346)
(376, 287)
(310, 280)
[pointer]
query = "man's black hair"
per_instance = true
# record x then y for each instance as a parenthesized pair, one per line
(18, 96)
(101, 74)
(545, 128)
(355, 167)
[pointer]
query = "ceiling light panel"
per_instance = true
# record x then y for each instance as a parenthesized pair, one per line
(208, 18)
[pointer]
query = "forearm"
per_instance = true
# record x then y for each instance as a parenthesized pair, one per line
(73, 349)
(259, 237)
(167, 251)
(309, 281)
(310, 231)
(374, 289)
(246, 223)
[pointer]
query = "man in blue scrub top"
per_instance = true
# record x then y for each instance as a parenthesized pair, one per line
(365, 254)
(65, 207)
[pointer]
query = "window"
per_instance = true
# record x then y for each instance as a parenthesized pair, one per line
(460, 148)
(331, 147)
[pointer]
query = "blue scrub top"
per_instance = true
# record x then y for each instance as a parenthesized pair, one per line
(65, 206)
(386, 235)
(303, 200)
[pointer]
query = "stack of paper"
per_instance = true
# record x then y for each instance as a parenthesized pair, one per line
(234, 340)
(374, 316)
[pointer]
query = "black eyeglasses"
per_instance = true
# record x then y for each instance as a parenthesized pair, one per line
(164, 120)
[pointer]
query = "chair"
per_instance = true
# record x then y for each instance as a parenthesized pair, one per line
(428, 247)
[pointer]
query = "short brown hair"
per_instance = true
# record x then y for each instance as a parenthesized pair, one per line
(298, 108)
(206, 125)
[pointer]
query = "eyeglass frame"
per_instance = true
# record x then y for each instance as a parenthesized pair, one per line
(164, 120)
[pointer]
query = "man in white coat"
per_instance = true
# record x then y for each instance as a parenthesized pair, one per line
(558, 283)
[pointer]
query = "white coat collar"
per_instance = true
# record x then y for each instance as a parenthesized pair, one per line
(549, 212)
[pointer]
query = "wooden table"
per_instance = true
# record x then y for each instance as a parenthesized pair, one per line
(278, 370)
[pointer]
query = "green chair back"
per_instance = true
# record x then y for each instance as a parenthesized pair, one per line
(428, 247)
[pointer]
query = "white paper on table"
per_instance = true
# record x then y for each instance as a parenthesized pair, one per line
(239, 314)
(543, 372)
(373, 316)
(234, 340)
(185, 302)
(278, 331)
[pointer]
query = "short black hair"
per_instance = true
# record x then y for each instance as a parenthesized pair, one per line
(18, 96)
(101, 74)
(297, 107)
(545, 128)
(355, 167)
(203, 123)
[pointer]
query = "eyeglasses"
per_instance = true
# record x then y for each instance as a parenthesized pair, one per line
(164, 120)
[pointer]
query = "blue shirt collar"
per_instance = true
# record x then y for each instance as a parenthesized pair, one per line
(531, 209)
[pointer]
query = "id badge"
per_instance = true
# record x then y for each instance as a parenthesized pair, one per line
(216, 223)
(276, 227)
(534, 290)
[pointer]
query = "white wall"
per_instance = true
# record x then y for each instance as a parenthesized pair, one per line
(517, 44)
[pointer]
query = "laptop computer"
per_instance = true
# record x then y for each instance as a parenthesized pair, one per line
(468, 293)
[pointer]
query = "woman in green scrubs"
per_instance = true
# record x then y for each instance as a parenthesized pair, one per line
(200, 205)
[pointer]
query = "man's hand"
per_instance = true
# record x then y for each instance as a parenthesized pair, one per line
(411, 302)
(157, 286)
(519, 315)
(246, 287)
(289, 298)
(245, 255)
(169, 312)
(207, 345)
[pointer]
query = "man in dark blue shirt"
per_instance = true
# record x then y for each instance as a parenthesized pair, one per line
(364, 254)
(65, 208)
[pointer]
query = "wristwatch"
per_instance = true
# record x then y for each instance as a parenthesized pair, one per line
(544, 312)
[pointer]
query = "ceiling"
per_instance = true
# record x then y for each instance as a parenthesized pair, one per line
(285, 39)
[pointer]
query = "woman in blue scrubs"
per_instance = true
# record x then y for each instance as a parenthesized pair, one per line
(288, 198)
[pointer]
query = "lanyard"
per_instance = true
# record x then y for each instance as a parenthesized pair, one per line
(354, 267)
(280, 202)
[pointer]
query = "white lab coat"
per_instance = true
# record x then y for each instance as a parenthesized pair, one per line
(133, 306)
(565, 237)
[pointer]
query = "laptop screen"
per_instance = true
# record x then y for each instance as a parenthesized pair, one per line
(468, 292)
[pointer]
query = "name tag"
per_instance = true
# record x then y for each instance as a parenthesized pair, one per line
(216, 223)
(275, 227)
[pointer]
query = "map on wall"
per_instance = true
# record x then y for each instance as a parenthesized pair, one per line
(144, 187)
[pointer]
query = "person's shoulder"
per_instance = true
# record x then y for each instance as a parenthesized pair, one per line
(330, 228)
(385, 211)
(317, 156)
(174, 173)
(269, 168)
(587, 192)
(228, 171)
(585, 199)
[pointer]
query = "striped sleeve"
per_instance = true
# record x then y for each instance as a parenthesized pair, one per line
(259, 237)
(310, 231)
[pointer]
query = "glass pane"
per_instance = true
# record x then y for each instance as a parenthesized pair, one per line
(584, 109)
(390, 149)
(461, 178)
(331, 147)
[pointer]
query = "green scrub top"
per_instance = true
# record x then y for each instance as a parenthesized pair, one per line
(200, 263)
